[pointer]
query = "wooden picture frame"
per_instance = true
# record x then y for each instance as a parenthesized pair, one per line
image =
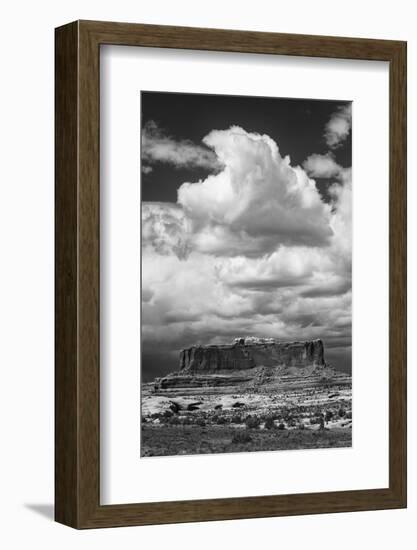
(77, 382)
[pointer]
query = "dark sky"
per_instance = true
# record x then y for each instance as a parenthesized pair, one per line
(295, 124)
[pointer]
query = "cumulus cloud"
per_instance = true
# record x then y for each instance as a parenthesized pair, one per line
(158, 147)
(257, 202)
(322, 166)
(338, 127)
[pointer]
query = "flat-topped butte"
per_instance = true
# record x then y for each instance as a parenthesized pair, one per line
(247, 353)
(250, 364)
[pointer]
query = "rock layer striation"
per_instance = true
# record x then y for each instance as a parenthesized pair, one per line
(249, 364)
(247, 353)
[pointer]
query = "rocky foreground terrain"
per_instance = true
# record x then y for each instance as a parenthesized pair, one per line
(251, 395)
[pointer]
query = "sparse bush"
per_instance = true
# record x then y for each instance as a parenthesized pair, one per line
(252, 422)
(329, 416)
(241, 437)
(174, 421)
(221, 420)
(269, 423)
(301, 426)
(272, 415)
(200, 422)
(342, 412)
(236, 419)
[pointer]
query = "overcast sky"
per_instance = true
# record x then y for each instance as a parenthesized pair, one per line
(246, 223)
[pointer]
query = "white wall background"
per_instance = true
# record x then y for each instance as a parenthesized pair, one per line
(26, 272)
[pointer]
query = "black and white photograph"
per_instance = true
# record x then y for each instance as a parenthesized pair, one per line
(209, 250)
(246, 274)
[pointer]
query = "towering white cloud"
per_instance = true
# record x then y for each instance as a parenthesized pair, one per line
(257, 202)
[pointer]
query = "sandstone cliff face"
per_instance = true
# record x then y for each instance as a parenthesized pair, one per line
(247, 353)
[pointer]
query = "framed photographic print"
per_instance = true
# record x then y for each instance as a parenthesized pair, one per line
(230, 274)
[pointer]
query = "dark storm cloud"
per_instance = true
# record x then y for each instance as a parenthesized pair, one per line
(268, 284)
(329, 289)
(180, 317)
(305, 320)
